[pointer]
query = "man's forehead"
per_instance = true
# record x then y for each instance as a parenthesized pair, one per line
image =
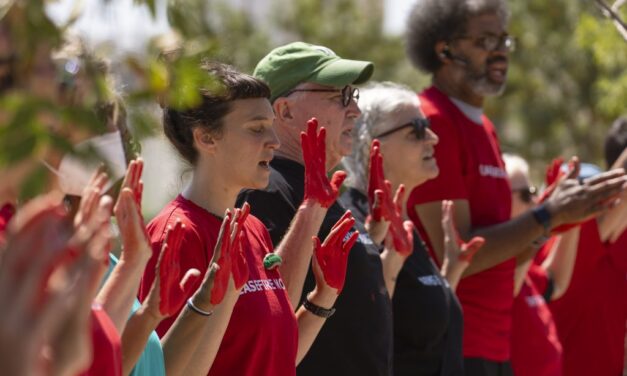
(485, 24)
(313, 85)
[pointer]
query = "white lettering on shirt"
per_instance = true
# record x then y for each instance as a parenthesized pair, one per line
(430, 280)
(492, 171)
(534, 300)
(255, 285)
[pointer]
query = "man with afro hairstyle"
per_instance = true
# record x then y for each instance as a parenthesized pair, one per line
(465, 46)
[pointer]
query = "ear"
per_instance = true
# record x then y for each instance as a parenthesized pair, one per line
(441, 50)
(283, 109)
(203, 140)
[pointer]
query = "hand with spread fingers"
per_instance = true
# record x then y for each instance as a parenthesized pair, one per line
(331, 257)
(385, 212)
(377, 221)
(572, 201)
(318, 188)
(127, 211)
(46, 289)
(171, 289)
(457, 254)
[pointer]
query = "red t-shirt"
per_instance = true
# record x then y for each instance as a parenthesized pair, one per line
(536, 349)
(6, 213)
(107, 346)
(471, 168)
(262, 335)
(590, 316)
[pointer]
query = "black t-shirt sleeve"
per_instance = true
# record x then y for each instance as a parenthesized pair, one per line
(271, 208)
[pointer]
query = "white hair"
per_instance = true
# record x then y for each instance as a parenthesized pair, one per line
(378, 102)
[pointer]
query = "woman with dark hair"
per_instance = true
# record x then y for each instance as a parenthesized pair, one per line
(229, 140)
(427, 315)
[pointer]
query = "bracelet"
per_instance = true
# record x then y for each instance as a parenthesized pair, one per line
(199, 311)
(543, 217)
(317, 310)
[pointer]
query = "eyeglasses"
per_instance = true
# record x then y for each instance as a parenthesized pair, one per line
(527, 194)
(420, 126)
(348, 93)
(492, 43)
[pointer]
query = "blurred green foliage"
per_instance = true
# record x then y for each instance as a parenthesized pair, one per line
(567, 79)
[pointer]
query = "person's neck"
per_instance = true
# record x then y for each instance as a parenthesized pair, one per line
(8, 197)
(455, 87)
(210, 192)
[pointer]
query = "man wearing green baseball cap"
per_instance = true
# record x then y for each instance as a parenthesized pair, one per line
(312, 81)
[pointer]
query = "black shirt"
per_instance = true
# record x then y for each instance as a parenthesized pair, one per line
(428, 319)
(357, 339)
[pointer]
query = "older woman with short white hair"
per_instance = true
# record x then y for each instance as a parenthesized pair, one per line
(427, 315)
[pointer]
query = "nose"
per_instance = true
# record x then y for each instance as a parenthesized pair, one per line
(273, 141)
(353, 111)
(431, 137)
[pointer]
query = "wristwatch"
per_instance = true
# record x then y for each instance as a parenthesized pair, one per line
(543, 217)
(317, 310)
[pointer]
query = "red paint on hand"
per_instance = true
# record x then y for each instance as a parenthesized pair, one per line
(221, 280)
(469, 249)
(383, 207)
(240, 266)
(172, 290)
(317, 185)
(332, 255)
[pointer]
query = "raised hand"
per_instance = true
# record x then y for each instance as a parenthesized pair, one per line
(44, 277)
(331, 257)
(171, 289)
(573, 201)
(317, 185)
(384, 208)
(239, 264)
(455, 250)
(127, 211)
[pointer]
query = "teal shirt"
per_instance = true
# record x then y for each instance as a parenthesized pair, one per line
(151, 362)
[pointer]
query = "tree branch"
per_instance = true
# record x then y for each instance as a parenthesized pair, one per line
(612, 13)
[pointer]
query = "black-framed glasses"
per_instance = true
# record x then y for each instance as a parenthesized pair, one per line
(348, 93)
(420, 126)
(527, 194)
(493, 42)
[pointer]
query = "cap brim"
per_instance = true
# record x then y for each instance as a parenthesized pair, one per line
(343, 72)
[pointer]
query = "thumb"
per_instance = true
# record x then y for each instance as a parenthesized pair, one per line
(574, 166)
(470, 249)
(337, 179)
(189, 281)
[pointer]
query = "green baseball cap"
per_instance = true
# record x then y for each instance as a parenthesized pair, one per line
(287, 66)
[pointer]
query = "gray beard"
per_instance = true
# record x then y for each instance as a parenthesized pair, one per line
(481, 84)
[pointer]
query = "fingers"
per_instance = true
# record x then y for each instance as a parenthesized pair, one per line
(225, 229)
(347, 214)
(574, 167)
(338, 232)
(398, 198)
(337, 179)
(468, 250)
(377, 206)
(605, 176)
(348, 244)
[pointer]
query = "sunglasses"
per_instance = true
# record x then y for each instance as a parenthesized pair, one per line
(420, 126)
(527, 194)
(348, 93)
